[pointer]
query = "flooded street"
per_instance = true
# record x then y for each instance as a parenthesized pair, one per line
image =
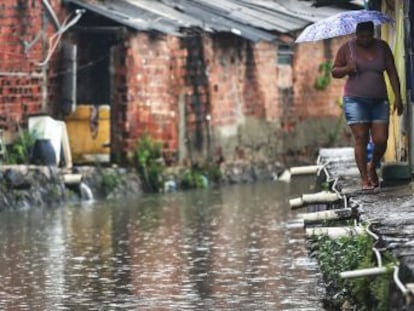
(227, 249)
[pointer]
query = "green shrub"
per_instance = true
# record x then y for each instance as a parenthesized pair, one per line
(324, 79)
(19, 151)
(149, 164)
(194, 179)
(109, 182)
(352, 253)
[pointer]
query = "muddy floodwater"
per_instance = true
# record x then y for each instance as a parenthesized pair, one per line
(226, 249)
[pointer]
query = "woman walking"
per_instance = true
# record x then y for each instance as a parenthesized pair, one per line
(363, 60)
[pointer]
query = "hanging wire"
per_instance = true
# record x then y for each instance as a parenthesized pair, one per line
(54, 40)
(81, 67)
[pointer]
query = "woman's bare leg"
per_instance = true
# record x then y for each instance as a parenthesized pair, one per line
(360, 131)
(379, 133)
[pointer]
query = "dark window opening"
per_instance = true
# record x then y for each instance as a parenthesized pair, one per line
(93, 71)
(284, 54)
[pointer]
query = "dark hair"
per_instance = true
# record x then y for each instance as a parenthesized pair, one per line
(365, 26)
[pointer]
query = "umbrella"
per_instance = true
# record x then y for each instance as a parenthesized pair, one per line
(341, 24)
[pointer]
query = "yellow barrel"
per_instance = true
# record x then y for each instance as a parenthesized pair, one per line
(89, 133)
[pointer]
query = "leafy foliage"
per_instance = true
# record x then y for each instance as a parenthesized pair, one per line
(200, 177)
(19, 151)
(109, 181)
(193, 179)
(149, 164)
(324, 79)
(352, 253)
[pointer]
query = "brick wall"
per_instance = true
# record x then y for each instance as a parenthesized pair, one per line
(249, 98)
(268, 75)
(221, 76)
(242, 79)
(313, 118)
(253, 102)
(22, 47)
(309, 101)
(242, 86)
(119, 102)
(155, 77)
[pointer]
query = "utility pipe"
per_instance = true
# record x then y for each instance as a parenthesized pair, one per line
(304, 170)
(334, 214)
(335, 232)
(410, 287)
(378, 256)
(313, 198)
(72, 179)
(365, 272)
(321, 197)
(285, 176)
(296, 202)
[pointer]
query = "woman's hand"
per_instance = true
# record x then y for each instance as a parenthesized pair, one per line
(351, 67)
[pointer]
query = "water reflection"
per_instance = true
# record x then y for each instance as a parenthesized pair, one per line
(227, 249)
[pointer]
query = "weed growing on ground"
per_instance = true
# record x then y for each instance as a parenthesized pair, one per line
(352, 253)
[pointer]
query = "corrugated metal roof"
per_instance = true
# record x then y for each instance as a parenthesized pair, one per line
(254, 15)
(129, 15)
(219, 22)
(305, 9)
(252, 19)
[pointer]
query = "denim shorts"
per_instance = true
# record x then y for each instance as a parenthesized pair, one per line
(365, 110)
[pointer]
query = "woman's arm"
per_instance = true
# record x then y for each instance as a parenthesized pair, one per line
(343, 64)
(394, 79)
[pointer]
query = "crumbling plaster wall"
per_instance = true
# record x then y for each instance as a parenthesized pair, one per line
(239, 102)
(244, 97)
(229, 88)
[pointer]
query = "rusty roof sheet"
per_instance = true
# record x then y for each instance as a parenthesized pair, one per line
(254, 20)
